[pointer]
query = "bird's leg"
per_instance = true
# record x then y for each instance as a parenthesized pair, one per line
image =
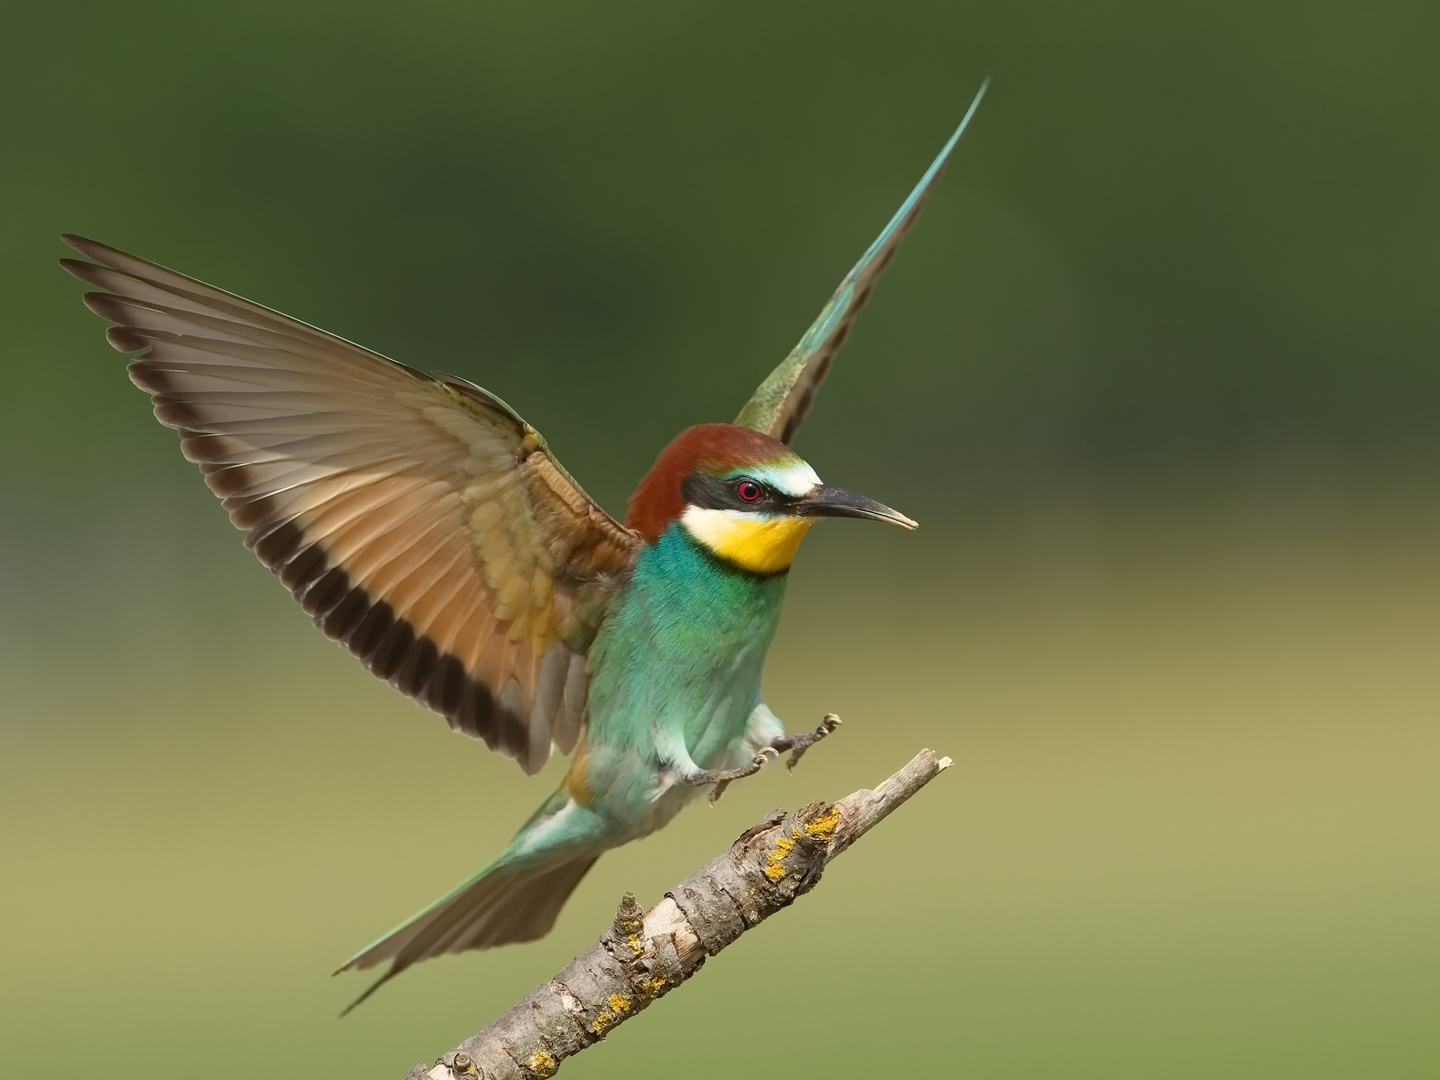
(721, 778)
(798, 744)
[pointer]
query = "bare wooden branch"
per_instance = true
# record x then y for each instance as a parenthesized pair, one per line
(644, 955)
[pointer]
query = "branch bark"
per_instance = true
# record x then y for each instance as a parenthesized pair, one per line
(644, 955)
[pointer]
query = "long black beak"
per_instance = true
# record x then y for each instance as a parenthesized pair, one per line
(827, 501)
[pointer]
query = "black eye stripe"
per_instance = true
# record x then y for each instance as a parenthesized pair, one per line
(712, 493)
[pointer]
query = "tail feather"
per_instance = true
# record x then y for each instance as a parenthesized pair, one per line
(496, 907)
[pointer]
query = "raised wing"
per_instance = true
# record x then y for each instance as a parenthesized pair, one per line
(418, 520)
(780, 403)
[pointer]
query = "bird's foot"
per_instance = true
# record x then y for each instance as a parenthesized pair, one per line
(722, 778)
(798, 744)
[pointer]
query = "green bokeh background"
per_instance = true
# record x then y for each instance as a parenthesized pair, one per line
(1157, 372)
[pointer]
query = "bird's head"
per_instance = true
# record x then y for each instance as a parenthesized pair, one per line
(744, 496)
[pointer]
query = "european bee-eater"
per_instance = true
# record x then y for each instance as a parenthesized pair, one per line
(426, 527)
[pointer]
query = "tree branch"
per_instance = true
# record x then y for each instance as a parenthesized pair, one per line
(645, 955)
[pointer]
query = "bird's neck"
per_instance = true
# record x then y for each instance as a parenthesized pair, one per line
(681, 559)
(713, 594)
(688, 627)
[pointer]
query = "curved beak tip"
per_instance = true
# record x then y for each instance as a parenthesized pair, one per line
(827, 501)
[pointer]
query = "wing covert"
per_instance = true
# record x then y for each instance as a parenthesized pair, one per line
(780, 403)
(417, 519)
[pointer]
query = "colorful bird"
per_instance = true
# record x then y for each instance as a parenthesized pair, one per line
(427, 527)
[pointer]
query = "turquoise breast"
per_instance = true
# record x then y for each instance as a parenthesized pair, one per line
(681, 657)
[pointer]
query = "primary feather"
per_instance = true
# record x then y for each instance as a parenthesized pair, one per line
(418, 519)
(780, 403)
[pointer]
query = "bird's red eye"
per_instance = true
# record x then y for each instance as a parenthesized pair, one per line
(748, 490)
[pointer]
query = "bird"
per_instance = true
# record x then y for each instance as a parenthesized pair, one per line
(427, 528)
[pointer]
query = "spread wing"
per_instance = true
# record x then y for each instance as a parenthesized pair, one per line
(780, 403)
(418, 520)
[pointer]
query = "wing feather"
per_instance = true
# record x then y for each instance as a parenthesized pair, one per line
(417, 519)
(780, 404)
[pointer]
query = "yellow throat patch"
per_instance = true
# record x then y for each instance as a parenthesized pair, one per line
(758, 544)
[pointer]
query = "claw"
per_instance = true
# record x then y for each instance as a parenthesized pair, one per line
(758, 762)
(800, 743)
(722, 778)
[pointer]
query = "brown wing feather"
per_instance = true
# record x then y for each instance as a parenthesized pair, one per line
(418, 520)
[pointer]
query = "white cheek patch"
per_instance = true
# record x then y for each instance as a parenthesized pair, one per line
(795, 478)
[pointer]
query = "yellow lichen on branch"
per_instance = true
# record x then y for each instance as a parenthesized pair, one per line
(775, 857)
(643, 955)
(819, 827)
(620, 1006)
(822, 828)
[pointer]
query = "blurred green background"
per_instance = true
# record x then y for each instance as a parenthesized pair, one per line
(1157, 373)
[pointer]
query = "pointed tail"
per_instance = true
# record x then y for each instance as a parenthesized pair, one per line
(495, 907)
